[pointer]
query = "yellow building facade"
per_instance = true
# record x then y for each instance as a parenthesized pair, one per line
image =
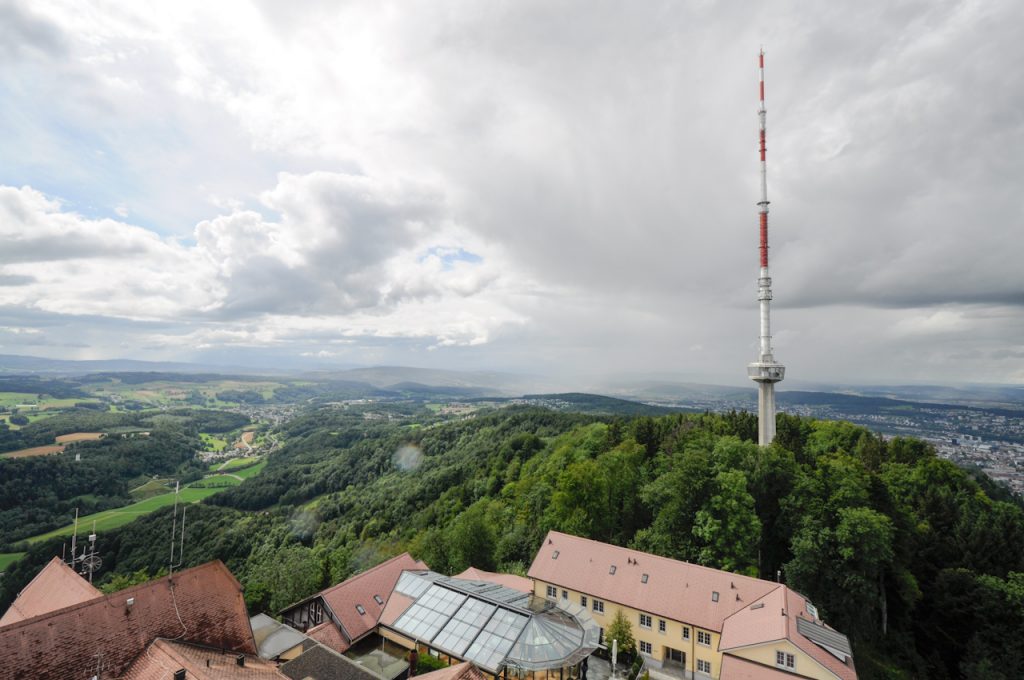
(678, 636)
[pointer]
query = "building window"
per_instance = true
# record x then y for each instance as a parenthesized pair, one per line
(379, 600)
(703, 638)
(714, 596)
(359, 608)
(784, 660)
(583, 600)
(661, 625)
(598, 606)
(686, 632)
(565, 595)
(645, 620)
(552, 592)
(554, 555)
(643, 578)
(611, 570)
(703, 666)
(645, 647)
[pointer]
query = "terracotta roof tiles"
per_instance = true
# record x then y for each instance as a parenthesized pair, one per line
(162, 658)
(202, 605)
(512, 581)
(673, 589)
(55, 586)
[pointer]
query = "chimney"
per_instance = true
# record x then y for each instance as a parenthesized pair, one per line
(179, 674)
(240, 660)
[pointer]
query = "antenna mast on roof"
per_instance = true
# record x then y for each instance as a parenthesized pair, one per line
(91, 562)
(174, 526)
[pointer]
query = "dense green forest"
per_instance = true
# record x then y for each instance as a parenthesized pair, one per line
(919, 561)
(40, 493)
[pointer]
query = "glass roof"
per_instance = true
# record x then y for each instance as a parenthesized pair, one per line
(492, 645)
(492, 625)
(465, 626)
(430, 612)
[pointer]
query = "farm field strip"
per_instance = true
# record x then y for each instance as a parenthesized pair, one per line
(111, 519)
(47, 450)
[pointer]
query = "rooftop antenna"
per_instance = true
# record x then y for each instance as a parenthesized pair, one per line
(765, 371)
(91, 562)
(174, 526)
(74, 540)
(181, 548)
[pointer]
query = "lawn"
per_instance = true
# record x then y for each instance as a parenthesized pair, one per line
(153, 487)
(7, 559)
(110, 519)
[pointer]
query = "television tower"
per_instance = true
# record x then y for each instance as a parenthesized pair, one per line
(765, 371)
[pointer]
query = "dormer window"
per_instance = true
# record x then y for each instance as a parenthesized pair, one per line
(554, 555)
(611, 570)
(379, 600)
(359, 608)
(714, 596)
(643, 578)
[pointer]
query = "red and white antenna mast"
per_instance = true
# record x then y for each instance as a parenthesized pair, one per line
(765, 371)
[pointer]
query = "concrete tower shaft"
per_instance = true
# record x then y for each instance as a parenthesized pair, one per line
(765, 371)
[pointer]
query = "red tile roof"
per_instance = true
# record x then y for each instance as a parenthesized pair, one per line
(328, 635)
(735, 668)
(675, 590)
(55, 586)
(203, 605)
(508, 580)
(360, 589)
(163, 657)
(776, 620)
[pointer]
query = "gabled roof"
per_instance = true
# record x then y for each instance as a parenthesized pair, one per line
(320, 663)
(202, 605)
(163, 657)
(676, 590)
(328, 635)
(508, 580)
(358, 591)
(55, 586)
(783, 615)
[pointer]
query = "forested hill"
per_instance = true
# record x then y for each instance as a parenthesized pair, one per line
(920, 563)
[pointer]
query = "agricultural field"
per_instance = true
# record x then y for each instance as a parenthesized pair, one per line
(47, 450)
(171, 393)
(212, 442)
(233, 463)
(246, 473)
(111, 519)
(153, 487)
(79, 437)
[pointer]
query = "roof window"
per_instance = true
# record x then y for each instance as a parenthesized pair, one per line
(714, 596)
(611, 570)
(379, 600)
(643, 579)
(554, 555)
(359, 608)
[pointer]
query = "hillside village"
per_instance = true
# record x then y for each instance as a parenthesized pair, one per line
(400, 619)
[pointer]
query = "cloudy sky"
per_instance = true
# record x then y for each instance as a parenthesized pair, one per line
(557, 187)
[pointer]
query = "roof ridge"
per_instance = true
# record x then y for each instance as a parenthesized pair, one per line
(356, 577)
(131, 589)
(662, 557)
